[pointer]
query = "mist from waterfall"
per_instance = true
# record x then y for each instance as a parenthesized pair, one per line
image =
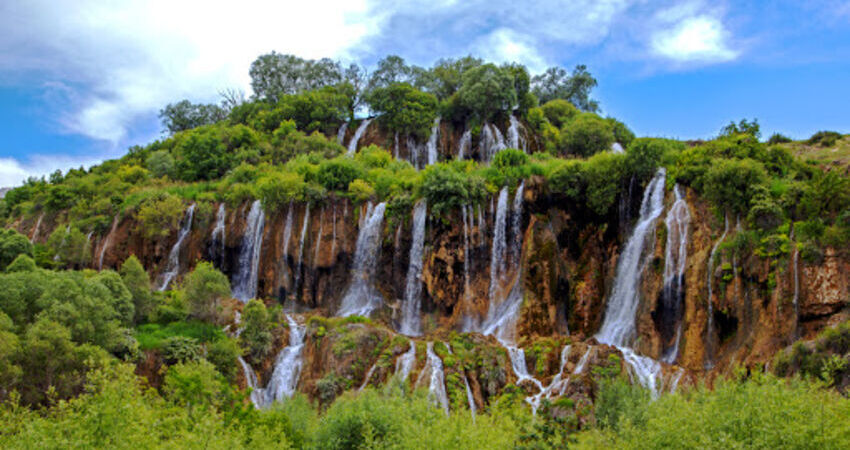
(245, 279)
(410, 320)
(361, 297)
(172, 268)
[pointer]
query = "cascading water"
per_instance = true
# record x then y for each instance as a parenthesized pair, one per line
(333, 233)
(514, 139)
(709, 272)
(367, 377)
(617, 148)
(287, 234)
(582, 363)
(433, 139)
(404, 363)
(516, 225)
(464, 146)
(340, 135)
(362, 297)
(218, 238)
(498, 250)
(245, 280)
(437, 385)
(173, 265)
(395, 145)
(352, 145)
(410, 321)
(287, 366)
(319, 238)
(618, 326)
(491, 142)
(257, 395)
(413, 150)
(675, 259)
(556, 387)
(469, 397)
(107, 242)
(300, 258)
(466, 255)
(36, 228)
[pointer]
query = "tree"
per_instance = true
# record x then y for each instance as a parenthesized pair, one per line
(586, 135)
(274, 75)
(185, 115)
(336, 174)
(731, 183)
(446, 77)
(391, 70)
(486, 90)
(205, 288)
(10, 371)
(256, 337)
(160, 163)
(446, 189)
(404, 109)
(159, 216)
(575, 88)
(138, 282)
(70, 247)
(12, 244)
(743, 127)
(119, 296)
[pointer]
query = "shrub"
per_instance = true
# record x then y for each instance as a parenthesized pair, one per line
(138, 282)
(159, 216)
(205, 288)
(559, 112)
(731, 184)
(778, 138)
(256, 337)
(277, 189)
(446, 190)
(223, 354)
(824, 138)
(12, 244)
(336, 174)
(180, 349)
(586, 135)
(404, 109)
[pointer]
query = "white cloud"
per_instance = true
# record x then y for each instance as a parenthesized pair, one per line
(505, 45)
(122, 60)
(14, 172)
(698, 39)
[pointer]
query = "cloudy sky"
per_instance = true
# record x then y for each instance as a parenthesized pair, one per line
(82, 80)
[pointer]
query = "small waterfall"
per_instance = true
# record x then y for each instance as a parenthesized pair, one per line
(490, 142)
(319, 238)
(437, 385)
(300, 258)
(107, 242)
(469, 397)
(556, 387)
(173, 266)
(333, 234)
(516, 225)
(413, 151)
(678, 377)
(395, 145)
(431, 147)
(287, 366)
(218, 237)
(245, 282)
(497, 256)
(410, 320)
(466, 255)
(257, 395)
(482, 225)
(340, 135)
(352, 145)
(617, 148)
(404, 363)
(287, 234)
(618, 326)
(362, 297)
(367, 377)
(36, 228)
(710, 270)
(675, 259)
(465, 145)
(514, 139)
(582, 363)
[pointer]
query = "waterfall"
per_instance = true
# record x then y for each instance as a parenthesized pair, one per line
(710, 327)
(257, 395)
(514, 139)
(516, 225)
(319, 238)
(557, 385)
(362, 297)
(678, 377)
(245, 281)
(287, 234)
(410, 321)
(412, 152)
(465, 145)
(617, 148)
(437, 385)
(582, 363)
(466, 255)
(404, 363)
(36, 228)
(367, 377)
(675, 259)
(469, 397)
(287, 366)
(173, 266)
(333, 234)
(497, 256)
(299, 259)
(340, 135)
(352, 145)
(433, 141)
(481, 227)
(107, 242)
(218, 237)
(490, 142)
(395, 145)
(618, 326)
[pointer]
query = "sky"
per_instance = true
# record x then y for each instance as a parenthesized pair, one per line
(81, 81)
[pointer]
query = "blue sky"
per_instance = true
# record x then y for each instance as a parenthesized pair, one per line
(81, 81)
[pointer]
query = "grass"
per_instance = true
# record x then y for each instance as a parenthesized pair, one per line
(838, 154)
(152, 335)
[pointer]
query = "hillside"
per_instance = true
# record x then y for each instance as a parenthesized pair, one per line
(521, 261)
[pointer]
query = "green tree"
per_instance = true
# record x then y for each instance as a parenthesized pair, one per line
(205, 288)
(404, 109)
(575, 88)
(12, 244)
(256, 337)
(10, 371)
(138, 282)
(336, 174)
(274, 75)
(70, 247)
(730, 184)
(586, 135)
(486, 90)
(159, 216)
(223, 354)
(446, 189)
(185, 115)
(160, 163)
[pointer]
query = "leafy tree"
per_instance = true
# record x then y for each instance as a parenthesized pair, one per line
(70, 247)
(336, 174)
(205, 287)
(160, 163)
(404, 109)
(10, 371)
(223, 354)
(277, 189)
(743, 127)
(644, 155)
(731, 184)
(12, 244)
(587, 134)
(391, 70)
(159, 216)
(824, 138)
(22, 263)
(256, 337)
(446, 190)
(185, 115)
(138, 283)
(622, 133)
(120, 297)
(274, 75)
(603, 173)
(360, 191)
(180, 349)
(575, 88)
(446, 77)
(559, 111)
(486, 90)
(778, 138)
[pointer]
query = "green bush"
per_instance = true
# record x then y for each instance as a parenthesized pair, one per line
(205, 287)
(256, 337)
(446, 189)
(586, 135)
(159, 216)
(404, 109)
(152, 336)
(180, 349)
(336, 174)
(12, 244)
(824, 138)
